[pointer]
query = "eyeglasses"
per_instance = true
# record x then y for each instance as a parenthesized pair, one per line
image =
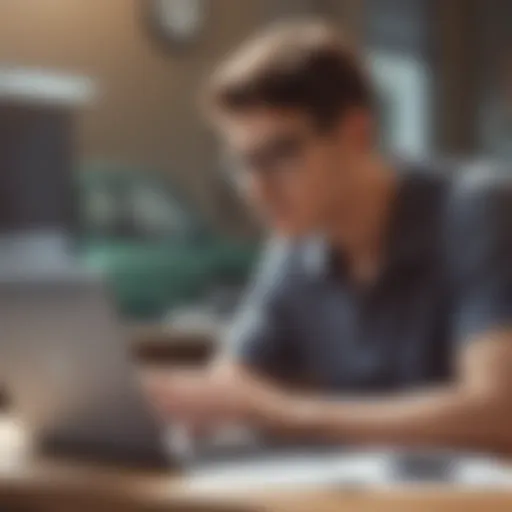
(282, 154)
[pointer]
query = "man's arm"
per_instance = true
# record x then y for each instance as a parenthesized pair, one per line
(475, 412)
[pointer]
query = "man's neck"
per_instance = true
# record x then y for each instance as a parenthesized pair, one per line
(364, 242)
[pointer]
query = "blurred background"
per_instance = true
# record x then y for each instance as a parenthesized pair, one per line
(103, 151)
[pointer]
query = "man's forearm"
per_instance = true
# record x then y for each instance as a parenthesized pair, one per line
(475, 415)
(442, 417)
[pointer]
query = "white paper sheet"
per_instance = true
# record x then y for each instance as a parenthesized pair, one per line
(349, 470)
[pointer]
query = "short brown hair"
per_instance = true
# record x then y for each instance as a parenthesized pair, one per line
(303, 65)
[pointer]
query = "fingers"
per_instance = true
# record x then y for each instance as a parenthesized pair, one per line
(185, 397)
(199, 400)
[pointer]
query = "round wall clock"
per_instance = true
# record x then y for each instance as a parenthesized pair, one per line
(177, 22)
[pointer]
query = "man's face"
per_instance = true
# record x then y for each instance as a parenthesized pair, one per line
(296, 176)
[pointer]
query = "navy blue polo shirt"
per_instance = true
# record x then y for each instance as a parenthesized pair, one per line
(447, 279)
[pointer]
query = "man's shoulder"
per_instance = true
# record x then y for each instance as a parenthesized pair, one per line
(482, 181)
(481, 191)
(462, 185)
(478, 220)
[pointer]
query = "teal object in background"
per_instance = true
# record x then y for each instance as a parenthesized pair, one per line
(154, 249)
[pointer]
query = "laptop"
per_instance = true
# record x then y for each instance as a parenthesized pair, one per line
(68, 370)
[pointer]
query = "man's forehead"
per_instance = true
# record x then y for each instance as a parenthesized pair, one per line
(255, 126)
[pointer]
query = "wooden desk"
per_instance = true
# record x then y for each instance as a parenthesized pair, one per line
(32, 484)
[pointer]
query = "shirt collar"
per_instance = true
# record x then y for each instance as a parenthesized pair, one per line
(410, 236)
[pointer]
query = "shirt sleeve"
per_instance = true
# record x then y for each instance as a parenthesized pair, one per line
(259, 336)
(480, 242)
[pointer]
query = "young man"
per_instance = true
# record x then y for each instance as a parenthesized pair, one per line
(387, 288)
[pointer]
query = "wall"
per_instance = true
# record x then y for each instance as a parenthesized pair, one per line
(145, 113)
(443, 36)
(493, 58)
(457, 28)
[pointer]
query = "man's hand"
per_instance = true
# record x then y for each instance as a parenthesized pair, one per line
(203, 399)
